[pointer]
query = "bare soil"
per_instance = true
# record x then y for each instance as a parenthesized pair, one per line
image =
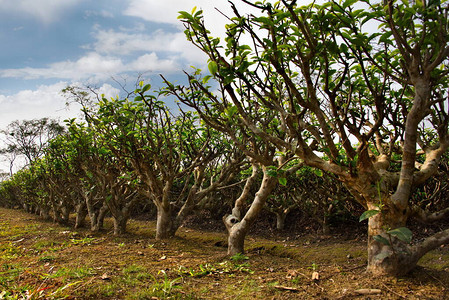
(43, 260)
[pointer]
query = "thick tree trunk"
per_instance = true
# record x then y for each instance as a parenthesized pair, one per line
(120, 224)
(393, 259)
(236, 238)
(166, 226)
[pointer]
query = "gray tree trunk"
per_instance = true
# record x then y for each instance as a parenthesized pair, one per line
(165, 224)
(81, 214)
(237, 229)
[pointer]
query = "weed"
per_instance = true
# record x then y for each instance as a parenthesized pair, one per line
(239, 257)
(10, 251)
(165, 287)
(106, 290)
(68, 273)
(313, 267)
(132, 269)
(134, 274)
(48, 245)
(9, 275)
(225, 267)
(202, 270)
(83, 241)
(46, 257)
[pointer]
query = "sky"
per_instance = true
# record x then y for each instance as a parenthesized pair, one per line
(50, 44)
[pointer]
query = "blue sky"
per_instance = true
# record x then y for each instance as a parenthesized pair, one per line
(48, 44)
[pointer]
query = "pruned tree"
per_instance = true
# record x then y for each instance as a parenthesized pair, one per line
(173, 157)
(369, 107)
(266, 163)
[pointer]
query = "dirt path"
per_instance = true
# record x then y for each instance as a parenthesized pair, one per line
(42, 260)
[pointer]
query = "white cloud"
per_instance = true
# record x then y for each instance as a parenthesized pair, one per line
(151, 62)
(122, 42)
(45, 101)
(90, 65)
(46, 11)
(94, 68)
(215, 12)
(167, 11)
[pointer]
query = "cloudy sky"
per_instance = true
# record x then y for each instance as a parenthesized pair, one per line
(48, 44)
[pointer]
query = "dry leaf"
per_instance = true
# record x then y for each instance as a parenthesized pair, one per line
(315, 276)
(368, 291)
(287, 288)
(291, 274)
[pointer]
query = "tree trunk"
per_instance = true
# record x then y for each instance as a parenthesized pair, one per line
(165, 225)
(65, 214)
(45, 213)
(280, 219)
(120, 224)
(237, 230)
(392, 259)
(81, 213)
(236, 238)
(96, 216)
(325, 225)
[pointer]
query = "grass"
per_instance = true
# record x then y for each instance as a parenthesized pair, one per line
(40, 260)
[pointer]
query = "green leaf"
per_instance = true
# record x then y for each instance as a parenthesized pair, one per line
(206, 78)
(318, 172)
(184, 15)
(402, 233)
(146, 88)
(213, 67)
(348, 3)
(368, 214)
(272, 172)
(283, 181)
(381, 239)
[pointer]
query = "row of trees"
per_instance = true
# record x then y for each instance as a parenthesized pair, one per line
(313, 85)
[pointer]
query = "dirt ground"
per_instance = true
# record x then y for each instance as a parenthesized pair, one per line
(42, 260)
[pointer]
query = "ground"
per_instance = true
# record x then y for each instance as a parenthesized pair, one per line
(42, 260)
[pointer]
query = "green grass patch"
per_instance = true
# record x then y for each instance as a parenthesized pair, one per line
(67, 273)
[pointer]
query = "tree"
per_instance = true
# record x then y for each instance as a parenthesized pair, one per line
(29, 138)
(266, 162)
(176, 161)
(368, 107)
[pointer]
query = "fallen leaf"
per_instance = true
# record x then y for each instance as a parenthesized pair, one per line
(291, 274)
(367, 291)
(287, 288)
